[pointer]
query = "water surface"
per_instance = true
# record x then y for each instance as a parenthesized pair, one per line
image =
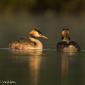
(46, 67)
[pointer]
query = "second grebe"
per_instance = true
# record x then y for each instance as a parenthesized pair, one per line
(33, 42)
(66, 45)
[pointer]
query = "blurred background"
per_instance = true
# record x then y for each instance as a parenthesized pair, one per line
(17, 17)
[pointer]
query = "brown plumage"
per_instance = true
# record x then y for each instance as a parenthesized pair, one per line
(33, 42)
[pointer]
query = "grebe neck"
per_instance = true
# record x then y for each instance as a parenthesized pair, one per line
(36, 42)
(65, 39)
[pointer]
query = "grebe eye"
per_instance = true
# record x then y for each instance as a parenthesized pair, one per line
(38, 31)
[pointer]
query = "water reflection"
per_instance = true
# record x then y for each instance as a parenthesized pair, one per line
(42, 68)
(34, 64)
(33, 59)
(64, 61)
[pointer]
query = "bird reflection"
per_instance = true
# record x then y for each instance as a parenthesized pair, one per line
(64, 61)
(33, 59)
(34, 64)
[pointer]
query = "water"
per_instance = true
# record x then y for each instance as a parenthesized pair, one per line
(46, 67)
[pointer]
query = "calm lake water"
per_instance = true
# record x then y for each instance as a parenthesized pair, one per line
(47, 67)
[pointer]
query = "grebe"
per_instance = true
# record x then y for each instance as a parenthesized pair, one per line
(66, 45)
(32, 43)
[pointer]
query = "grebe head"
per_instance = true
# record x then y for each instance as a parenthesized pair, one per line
(65, 33)
(37, 34)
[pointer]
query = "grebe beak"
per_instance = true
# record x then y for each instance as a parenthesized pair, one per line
(44, 37)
